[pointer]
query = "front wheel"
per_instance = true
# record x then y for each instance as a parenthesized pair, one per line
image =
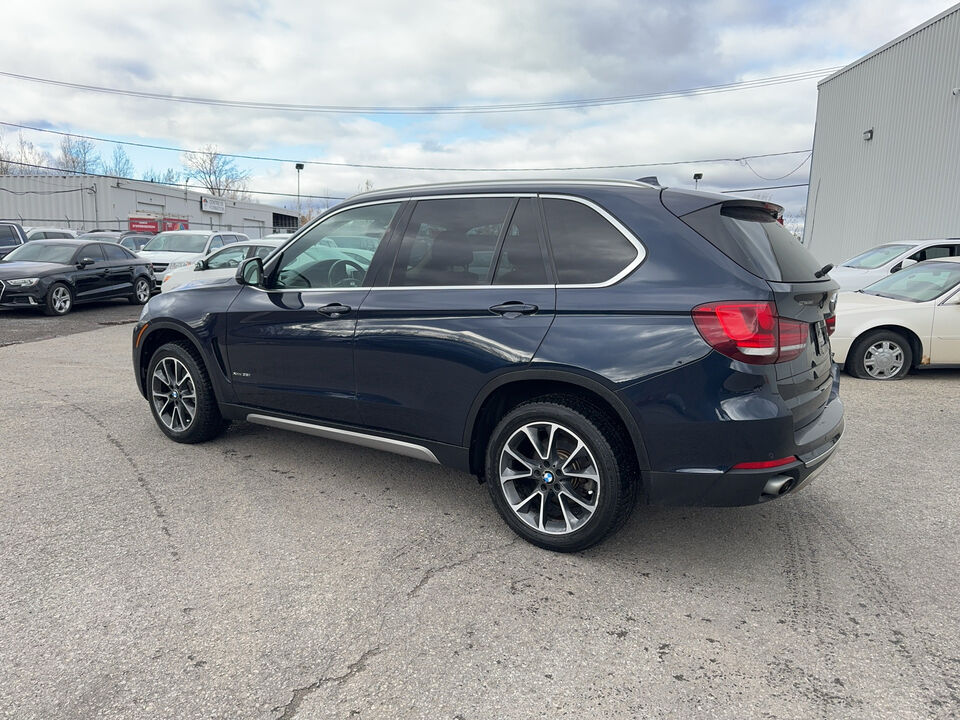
(59, 300)
(141, 291)
(560, 473)
(181, 396)
(881, 355)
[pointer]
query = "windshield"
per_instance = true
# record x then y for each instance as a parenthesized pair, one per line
(178, 242)
(41, 252)
(918, 283)
(874, 258)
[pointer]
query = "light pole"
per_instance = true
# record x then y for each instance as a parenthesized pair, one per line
(299, 213)
(697, 177)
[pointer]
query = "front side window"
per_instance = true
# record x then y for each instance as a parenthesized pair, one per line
(337, 252)
(450, 242)
(115, 252)
(227, 258)
(587, 249)
(94, 252)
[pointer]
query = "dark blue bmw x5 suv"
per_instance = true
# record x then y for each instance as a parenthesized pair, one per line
(576, 345)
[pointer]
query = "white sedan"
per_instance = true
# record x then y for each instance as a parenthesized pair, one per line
(218, 264)
(908, 319)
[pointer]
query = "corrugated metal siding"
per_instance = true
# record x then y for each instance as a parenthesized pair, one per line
(905, 183)
(86, 202)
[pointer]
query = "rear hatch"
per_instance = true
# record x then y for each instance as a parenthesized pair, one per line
(748, 232)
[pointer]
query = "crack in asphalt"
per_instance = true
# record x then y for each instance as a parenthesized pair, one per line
(430, 573)
(131, 461)
(301, 694)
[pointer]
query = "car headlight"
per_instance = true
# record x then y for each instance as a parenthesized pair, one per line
(23, 282)
(178, 264)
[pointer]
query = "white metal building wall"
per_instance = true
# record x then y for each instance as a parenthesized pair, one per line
(904, 183)
(88, 202)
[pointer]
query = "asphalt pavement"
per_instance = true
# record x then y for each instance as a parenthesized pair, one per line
(272, 575)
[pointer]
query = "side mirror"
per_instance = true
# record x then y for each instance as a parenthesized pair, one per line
(250, 272)
(905, 263)
(200, 265)
(84, 262)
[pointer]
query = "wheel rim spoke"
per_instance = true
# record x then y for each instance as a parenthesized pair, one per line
(549, 478)
(174, 394)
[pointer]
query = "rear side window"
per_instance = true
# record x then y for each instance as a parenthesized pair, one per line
(753, 239)
(450, 242)
(587, 249)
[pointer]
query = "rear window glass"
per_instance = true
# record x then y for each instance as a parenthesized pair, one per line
(754, 240)
(587, 249)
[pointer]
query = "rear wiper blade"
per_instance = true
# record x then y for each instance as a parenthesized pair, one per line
(823, 271)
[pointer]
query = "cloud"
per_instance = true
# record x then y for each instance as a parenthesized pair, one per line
(448, 54)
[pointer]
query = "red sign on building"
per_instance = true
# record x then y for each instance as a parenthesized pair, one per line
(143, 224)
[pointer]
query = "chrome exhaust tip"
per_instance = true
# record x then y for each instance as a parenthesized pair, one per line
(776, 486)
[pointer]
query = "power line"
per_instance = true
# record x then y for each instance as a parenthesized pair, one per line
(435, 109)
(785, 175)
(264, 158)
(182, 186)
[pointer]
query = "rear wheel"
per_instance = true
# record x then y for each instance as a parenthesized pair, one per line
(181, 396)
(559, 473)
(881, 355)
(141, 291)
(59, 300)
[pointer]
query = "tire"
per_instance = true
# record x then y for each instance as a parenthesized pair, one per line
(575, 497)
(59, 300)
(141, 291)
(180, 395)
(881, 355)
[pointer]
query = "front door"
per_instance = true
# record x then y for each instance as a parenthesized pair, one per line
(290, 343)
(91, 281)
(945, 343)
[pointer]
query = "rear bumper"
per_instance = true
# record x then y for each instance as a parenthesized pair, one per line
(709, 487)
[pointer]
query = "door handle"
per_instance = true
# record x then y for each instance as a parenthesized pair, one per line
(334, 309)
(514, 308)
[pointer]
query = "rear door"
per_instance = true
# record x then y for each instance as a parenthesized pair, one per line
(469, 296)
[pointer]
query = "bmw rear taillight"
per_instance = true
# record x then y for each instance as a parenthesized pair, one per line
(751, 332)
(831, 321)
(765, 464)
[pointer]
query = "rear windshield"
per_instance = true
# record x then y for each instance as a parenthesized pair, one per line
(875, 257)
(754, 240)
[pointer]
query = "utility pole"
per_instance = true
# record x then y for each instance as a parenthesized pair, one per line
(299, 212)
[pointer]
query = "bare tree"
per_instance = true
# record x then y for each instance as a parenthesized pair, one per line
(23, 158)
(78, 155)
(120, 165)
(216, 173)
(167, 177)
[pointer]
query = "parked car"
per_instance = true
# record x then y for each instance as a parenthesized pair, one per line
(103, 235)
(45, 233)
(54, 275)
(576, 345)
(135, 241)
(219, 264)
(277, 236)
(883, 260)
(180, 248)
(904, 321)
(12, 236)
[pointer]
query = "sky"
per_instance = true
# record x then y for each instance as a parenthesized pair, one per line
(380, 54)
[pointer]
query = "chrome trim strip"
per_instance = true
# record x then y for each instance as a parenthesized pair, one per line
(398, 447)
(823, 456)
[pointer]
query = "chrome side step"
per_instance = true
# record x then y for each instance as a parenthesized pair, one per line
(375, 442)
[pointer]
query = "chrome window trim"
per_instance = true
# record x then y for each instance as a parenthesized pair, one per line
(376, 442)
(627, 270)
